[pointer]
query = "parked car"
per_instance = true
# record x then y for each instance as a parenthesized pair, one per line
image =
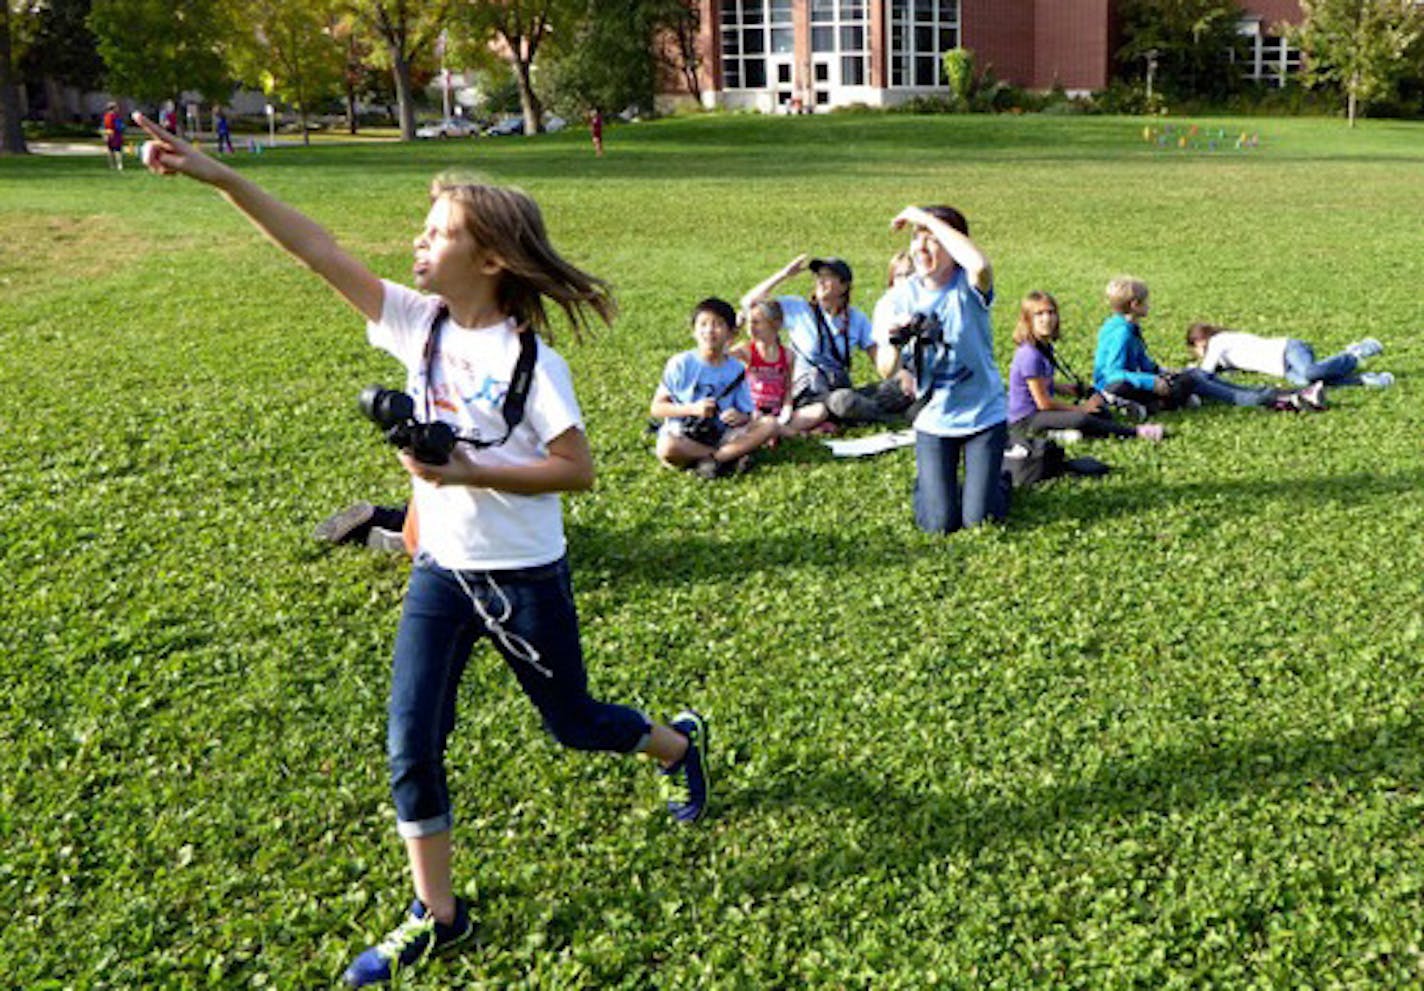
(450, 127)
(505, 127)
(515, 125)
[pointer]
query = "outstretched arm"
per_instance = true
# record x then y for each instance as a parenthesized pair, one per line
(294, 232)
(966, 253)
(763, 289)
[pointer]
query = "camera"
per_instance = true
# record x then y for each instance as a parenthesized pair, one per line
(921, 328)
(706, 430)
(394, 412)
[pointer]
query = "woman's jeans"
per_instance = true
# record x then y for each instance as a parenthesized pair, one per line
(1303, 369)
(529, 616)
(941, 506)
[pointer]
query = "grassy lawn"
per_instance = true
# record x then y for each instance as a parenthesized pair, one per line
(1162, 730)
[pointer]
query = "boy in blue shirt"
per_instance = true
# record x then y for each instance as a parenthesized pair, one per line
(705, 403)
(1130, 380)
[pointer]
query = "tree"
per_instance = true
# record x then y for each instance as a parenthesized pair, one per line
(676, 47)
(406, 30)
(1190, 41)
(518, 28)
(61, 51)
(607, 61)
(288, 47)
(358, 76)
(154, 50)
(12, 135)
(1357, 45)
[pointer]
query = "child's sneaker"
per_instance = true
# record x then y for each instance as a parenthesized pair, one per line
(1377, 380)
(350, 526)
(409, 944)
(1068, 436)
(685, 783)
(1130, 408)
(1313, 396)
(1153, 432)
(1367, 348)
(708, 469)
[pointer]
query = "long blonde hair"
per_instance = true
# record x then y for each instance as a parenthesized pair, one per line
(508, 222)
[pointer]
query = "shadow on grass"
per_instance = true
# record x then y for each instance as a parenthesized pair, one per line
(1089, 502)
(897, 829)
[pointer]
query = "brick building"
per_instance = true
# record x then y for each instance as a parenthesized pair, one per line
(777, 55)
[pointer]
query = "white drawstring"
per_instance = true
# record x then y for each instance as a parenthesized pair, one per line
(512, 642)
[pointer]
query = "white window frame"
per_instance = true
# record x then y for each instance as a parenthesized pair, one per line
(843, 18)
(1269, 59)
(904, 16)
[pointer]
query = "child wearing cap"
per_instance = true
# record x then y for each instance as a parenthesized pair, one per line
(824, 331)
(705, 403)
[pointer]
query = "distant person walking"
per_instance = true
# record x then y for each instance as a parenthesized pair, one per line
(595, 130)
(114, 136)
(224, 131)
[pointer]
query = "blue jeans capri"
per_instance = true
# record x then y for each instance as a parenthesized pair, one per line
(942, 504)
(529, 616)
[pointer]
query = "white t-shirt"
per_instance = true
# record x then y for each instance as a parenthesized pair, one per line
(1245, 352)
(463, 527)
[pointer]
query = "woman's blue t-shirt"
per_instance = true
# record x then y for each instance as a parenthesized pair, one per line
(968, 390)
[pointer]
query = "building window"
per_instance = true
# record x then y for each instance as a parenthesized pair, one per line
(839, 33)
(752, 29)
(1268, 59)
(921, 31)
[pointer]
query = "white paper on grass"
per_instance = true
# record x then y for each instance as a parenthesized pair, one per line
(862, 447)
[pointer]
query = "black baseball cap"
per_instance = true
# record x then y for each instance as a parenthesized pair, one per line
(837, 267)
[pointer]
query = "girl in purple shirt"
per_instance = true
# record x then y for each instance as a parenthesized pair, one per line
(1033, 407)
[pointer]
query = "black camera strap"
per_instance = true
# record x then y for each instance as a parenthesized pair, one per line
(827, 338)
(1067, 371)
(520, 381)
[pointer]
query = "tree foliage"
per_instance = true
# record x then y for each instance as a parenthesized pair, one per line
(60, 45)
(1358, 46)
(608, 60)
(517, 29)
(154, 49)
(290, 48)
(1190, 40)
(405, 32)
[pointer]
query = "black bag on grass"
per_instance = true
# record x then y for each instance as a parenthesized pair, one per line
(1030, 460)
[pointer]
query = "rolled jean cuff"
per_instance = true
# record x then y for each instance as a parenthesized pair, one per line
(647, 736)
(425, 827)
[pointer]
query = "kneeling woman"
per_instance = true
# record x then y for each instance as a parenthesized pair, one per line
(1033, 407)
(943, 308)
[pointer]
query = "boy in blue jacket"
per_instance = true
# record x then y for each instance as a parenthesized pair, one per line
(1130, 380)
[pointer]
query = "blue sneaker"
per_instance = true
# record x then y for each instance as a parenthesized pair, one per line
(685, 783)
(409, 944)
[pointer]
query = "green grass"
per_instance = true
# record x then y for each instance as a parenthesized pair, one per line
(1162, 730)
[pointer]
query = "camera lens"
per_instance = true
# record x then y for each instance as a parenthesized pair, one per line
(385, 407)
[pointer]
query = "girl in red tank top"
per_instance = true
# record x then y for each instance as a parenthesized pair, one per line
(767, 360)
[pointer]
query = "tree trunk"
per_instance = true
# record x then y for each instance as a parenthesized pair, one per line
(400, 70)
(350, 108)
(528, 101)
(12, 135)
(55, 110)
(1350, 102)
